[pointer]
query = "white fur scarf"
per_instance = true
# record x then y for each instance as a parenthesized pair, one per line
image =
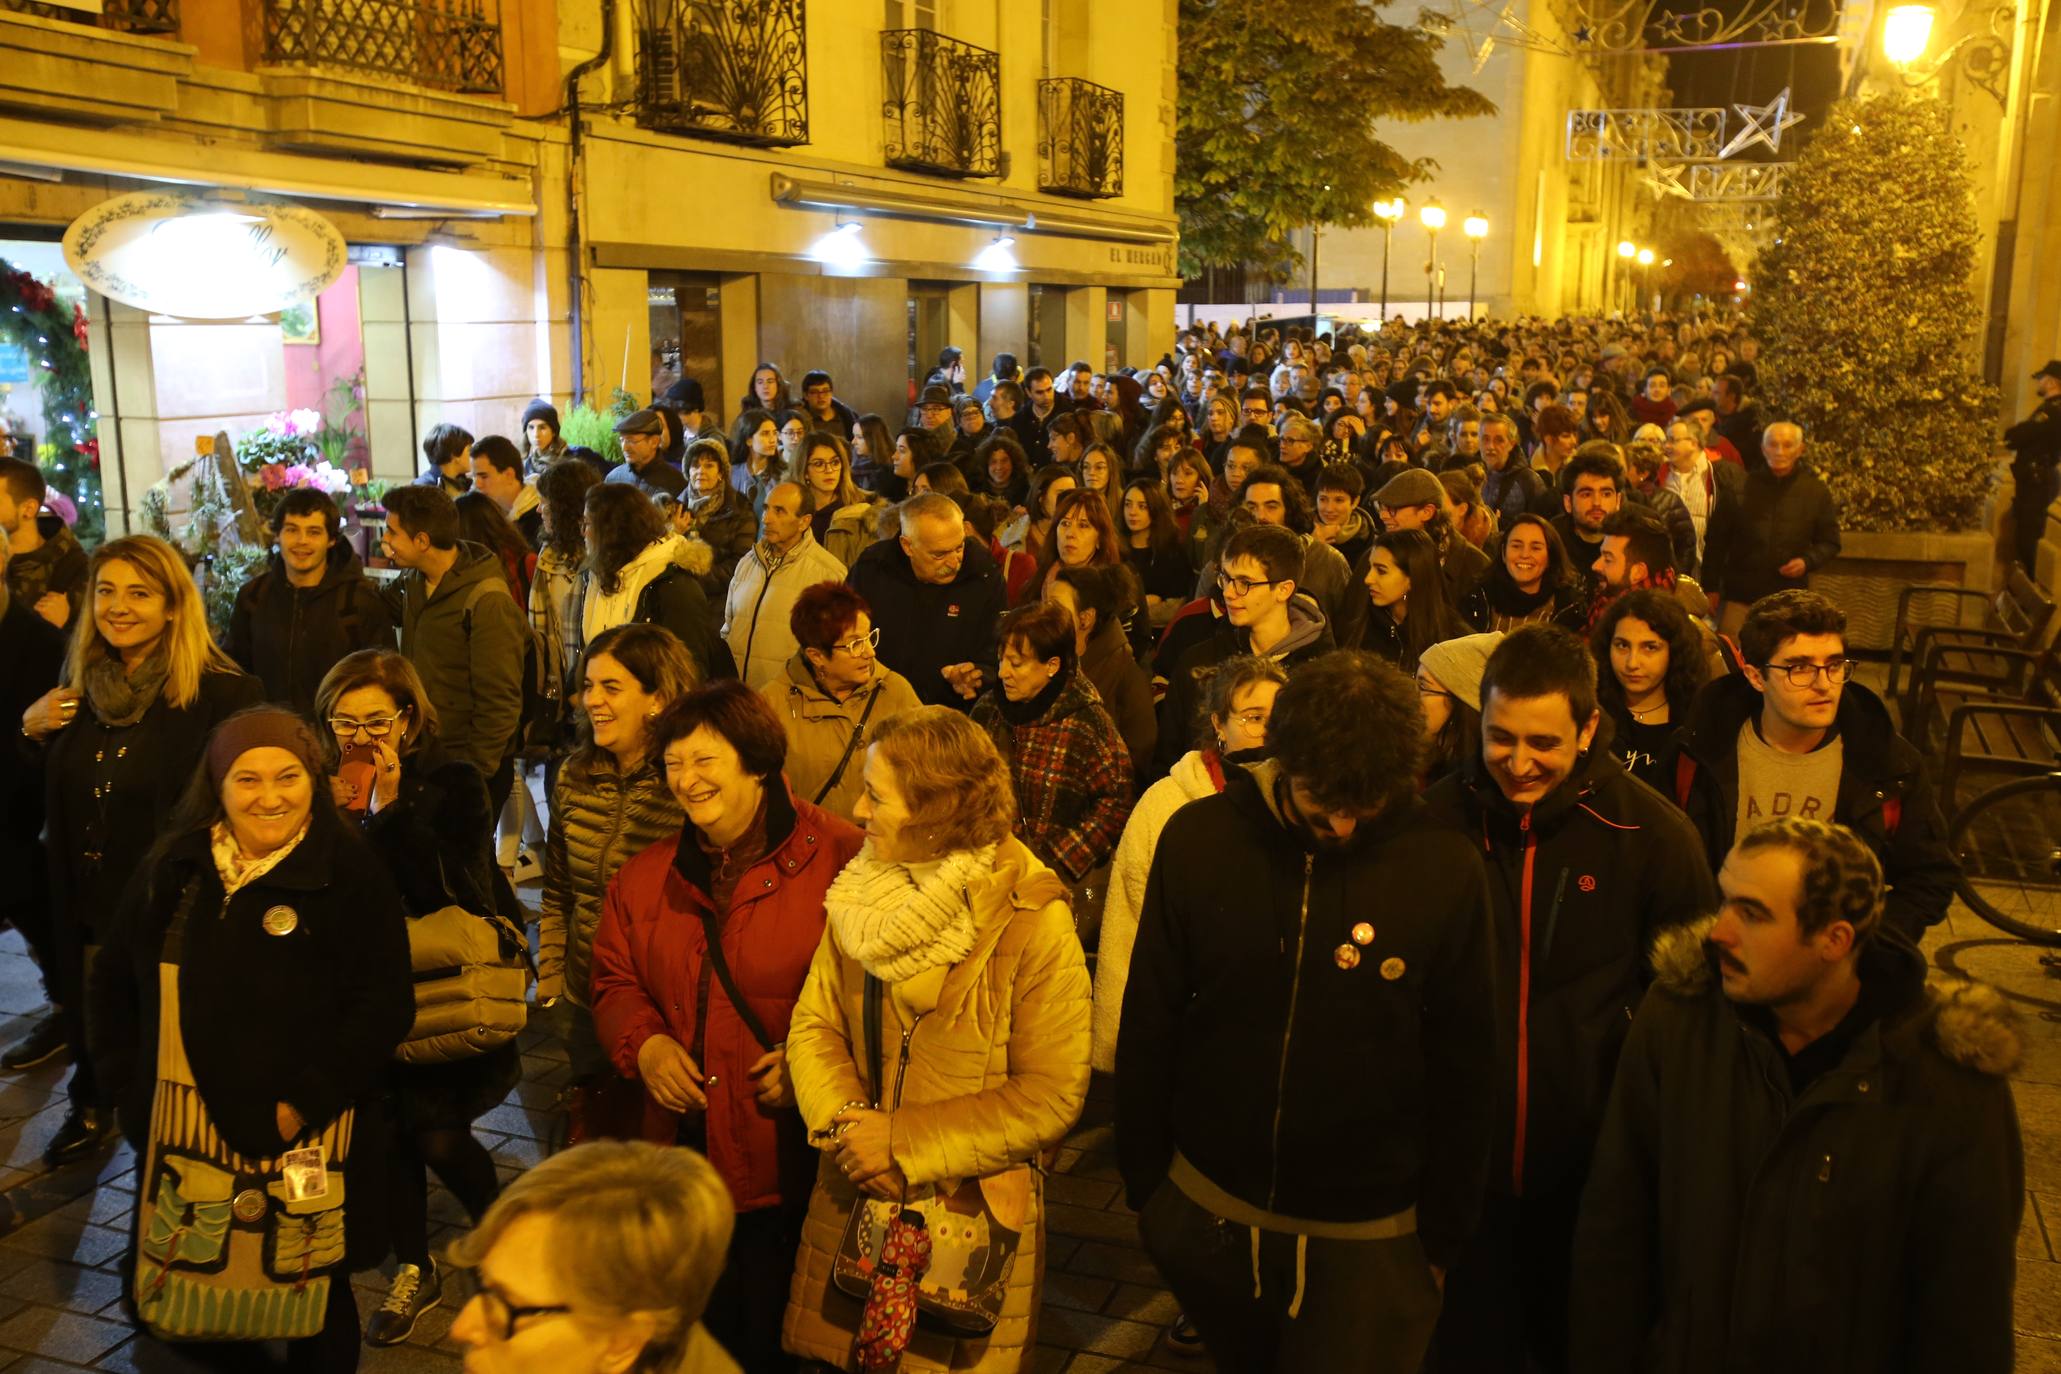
(897, 922)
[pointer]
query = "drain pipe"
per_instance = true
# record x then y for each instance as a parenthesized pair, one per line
(575, 250)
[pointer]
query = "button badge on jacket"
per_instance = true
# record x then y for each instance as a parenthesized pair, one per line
(281, 920)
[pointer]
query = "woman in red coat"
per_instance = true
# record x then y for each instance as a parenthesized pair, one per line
(707, 1036)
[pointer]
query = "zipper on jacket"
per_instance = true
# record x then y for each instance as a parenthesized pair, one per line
(902, 1062)
(1302, 928)
(1523, 1006)
(751, 636)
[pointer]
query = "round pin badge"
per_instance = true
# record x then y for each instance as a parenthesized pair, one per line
(1345, 956)
(1391, 969)
(249, 1205)
(281, 920)
(1363, 934)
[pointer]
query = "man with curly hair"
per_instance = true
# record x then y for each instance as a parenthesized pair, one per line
(1811, 1159)
(1307, 1039)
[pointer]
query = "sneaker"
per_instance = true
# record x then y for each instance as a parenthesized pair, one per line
(1182, 1338)
(46, 1041)
(412, 1293)
(527, 868)
(83, 1133)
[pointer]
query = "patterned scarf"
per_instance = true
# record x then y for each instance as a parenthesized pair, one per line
(899, 919)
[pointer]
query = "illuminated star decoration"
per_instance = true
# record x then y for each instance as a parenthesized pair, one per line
(1478, 29)
(1665, 179)
(1761, 124)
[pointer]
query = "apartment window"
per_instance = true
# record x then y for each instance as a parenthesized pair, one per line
(915, 14)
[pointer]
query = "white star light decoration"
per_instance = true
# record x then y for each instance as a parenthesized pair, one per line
(1463, 16)
(1762, 124)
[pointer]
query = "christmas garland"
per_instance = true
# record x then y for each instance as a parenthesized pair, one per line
(53, 332)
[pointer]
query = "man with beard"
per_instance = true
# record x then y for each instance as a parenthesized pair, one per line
(1586, 866)
(1306, 1039)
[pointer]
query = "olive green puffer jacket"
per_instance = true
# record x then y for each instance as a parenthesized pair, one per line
(599, 822)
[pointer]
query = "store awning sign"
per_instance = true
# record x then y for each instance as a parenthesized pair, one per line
(202, 259)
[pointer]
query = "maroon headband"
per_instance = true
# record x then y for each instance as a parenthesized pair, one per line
(264, 728)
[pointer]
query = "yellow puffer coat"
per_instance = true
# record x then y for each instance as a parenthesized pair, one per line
(998, 1071)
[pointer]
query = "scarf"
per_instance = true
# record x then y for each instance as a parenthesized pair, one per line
(237, 869)
(119, 698)
(898, 920)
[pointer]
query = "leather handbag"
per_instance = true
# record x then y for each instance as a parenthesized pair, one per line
(975, 1227)
(472, 979)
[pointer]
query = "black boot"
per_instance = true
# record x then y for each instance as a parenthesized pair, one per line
(83, 1133)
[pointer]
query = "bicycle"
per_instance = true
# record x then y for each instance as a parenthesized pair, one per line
(2008, 844)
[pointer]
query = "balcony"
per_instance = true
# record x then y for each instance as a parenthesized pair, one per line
(443, 45)
(942, 108)
(150, 17)
(734, 70)
(1080, 139)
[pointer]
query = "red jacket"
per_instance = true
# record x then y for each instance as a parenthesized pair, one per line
(648, 971)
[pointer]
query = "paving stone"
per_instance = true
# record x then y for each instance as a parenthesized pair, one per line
(1113, 1262)
(1081, 1292)
(2038, 1357)
(1091, 1223)
(2032, 1237)
(2039, 1120)
(2048, 1206)
(1095, 1334)
(68, 1286)
(58, 1239)
(1081, 1192)
(60, 1335)
(1143, 1303)
(2037, 1309)
(142, 1355)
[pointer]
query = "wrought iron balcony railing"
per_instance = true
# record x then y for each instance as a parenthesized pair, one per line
(158, 17)
(448, 45)
(1080, 138)
(728, 69)
(943, 105)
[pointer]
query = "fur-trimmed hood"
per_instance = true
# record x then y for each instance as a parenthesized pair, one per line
(1968, 1022)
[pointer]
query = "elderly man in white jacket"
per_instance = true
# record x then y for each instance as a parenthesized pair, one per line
(786, 559)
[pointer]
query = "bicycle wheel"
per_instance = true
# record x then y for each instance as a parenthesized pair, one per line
(2008, 843)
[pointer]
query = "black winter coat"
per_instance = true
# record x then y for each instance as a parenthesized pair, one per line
(925, 628)
(2037, 438)
(309, 1018)
(1757, 527)
(1863, 1226)
(1304, 1080)
(1883, 778)
(145, 768)
(1581, 886)
(289, 637)
(31, 660)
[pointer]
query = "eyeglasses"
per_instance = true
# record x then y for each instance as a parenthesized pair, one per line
(1239, 586)
(825, 465)
(869, 641)
(1804, 674)
(378, 729)
(499, 1314)
(1252, 718)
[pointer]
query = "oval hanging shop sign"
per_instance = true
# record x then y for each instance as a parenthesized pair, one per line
(203, 260)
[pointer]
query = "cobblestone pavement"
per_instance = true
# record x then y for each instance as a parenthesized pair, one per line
(62, 1232)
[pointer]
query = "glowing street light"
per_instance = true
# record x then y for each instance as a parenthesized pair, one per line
(1389, 212)
(1476, 228)
(1906, 33)
(1645, 261)
(1433, 218)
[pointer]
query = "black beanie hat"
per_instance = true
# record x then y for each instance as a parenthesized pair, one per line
(541, 410)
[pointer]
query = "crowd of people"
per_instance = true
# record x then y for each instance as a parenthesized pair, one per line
(882, 776)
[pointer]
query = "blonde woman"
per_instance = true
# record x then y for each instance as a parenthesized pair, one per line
(846, 516)
(967, 936)
(144, 685)
(597, 1261)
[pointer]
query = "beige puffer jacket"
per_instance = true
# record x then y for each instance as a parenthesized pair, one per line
(818, 729)
(599, 822)
(997, 1072)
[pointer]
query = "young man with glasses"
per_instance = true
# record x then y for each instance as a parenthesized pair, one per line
(1255, 584)
(1792, 734)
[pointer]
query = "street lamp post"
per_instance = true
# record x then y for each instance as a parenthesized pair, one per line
(1476, 227)
(1625, 249)
(1645, 278)
(1433, 218)
(1388, 212)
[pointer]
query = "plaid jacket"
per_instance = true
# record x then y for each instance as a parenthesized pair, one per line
(1072, 775)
